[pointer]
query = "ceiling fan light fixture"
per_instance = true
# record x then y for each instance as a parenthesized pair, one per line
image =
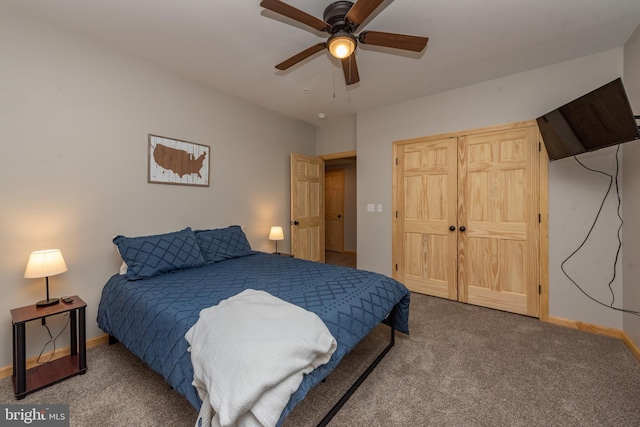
(341, 45)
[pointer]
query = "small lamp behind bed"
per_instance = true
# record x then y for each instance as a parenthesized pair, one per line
(276, 234)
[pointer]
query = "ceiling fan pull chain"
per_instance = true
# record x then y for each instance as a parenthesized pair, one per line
(333, 101)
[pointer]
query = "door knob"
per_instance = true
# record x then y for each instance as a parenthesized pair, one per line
(452, 228)
(462, 228)
(339, 216)
(296, 223)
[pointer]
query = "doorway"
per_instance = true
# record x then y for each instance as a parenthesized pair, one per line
(341, 209)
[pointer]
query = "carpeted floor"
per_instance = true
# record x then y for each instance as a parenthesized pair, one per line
(461, 366)
(346, 259)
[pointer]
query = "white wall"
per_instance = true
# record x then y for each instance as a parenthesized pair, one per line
(631, 184)
(337, 136)
(75, 116)
(522, 96)
(351, 208)
(575, 196)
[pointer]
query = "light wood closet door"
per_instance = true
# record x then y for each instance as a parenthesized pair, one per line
(498, 208)
(334, 210)
(466, 226)
(307, 207)
(428, 209)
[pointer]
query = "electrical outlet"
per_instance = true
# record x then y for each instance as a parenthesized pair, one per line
(379, 207)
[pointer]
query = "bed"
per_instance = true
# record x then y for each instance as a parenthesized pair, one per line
(151, 307)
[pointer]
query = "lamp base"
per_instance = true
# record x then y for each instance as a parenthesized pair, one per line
(47, 302)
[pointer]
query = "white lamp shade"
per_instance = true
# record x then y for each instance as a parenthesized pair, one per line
(44, 264)
(276, 233)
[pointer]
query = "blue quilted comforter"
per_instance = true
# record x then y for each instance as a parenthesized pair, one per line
(151, 316)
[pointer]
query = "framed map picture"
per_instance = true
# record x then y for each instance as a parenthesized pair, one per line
(171, 161)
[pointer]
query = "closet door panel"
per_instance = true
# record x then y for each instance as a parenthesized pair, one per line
(498, 207)
(426, 209)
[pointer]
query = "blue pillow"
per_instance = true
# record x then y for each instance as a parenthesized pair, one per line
(147, 256)
(223, 243)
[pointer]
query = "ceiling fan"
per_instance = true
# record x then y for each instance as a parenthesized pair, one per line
(340, 20)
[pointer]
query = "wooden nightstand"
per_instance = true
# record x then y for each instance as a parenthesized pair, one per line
(27, 381)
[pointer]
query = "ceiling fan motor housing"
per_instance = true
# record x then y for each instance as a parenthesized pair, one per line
(334, 15)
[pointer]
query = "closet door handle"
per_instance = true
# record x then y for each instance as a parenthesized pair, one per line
(295, 223)
(452, 228)
(462, 228)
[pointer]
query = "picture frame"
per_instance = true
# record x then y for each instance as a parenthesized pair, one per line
(177, 162)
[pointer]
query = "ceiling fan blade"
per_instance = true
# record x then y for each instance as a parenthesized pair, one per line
(289, 11)
(301, 56)
(350, 69)
(360, 11)
(396, 41)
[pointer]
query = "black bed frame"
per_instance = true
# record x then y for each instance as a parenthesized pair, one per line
(359, 380)
(364, 375)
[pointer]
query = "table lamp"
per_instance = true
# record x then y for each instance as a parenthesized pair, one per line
(44, 264)
(276, 234)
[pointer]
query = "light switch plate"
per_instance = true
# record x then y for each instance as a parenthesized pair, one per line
(371, 207)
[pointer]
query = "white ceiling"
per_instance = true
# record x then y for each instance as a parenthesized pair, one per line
(234, 44)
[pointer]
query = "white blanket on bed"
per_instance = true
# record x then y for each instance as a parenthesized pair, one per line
(249, 354)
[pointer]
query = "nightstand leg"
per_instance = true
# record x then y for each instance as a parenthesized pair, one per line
(20, 366)
(82, 339)
(73, 331)
(15, 348)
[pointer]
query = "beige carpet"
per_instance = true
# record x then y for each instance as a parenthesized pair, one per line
(462, 366)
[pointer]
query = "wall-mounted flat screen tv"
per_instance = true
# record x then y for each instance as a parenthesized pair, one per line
(596, 120)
